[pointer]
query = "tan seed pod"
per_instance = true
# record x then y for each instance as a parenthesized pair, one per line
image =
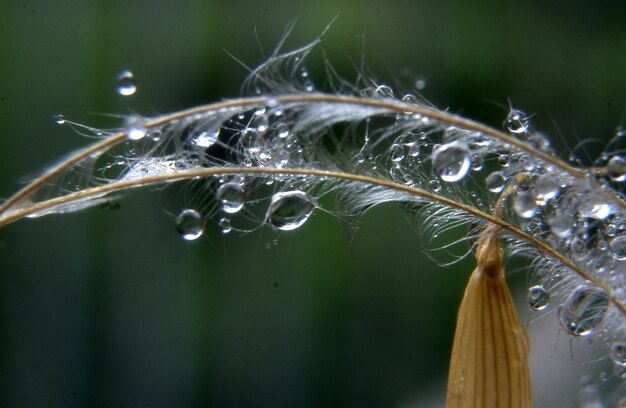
(489, 365)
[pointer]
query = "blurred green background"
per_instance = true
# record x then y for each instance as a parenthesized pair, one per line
(110, 308)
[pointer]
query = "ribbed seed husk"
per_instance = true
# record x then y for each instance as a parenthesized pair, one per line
(489, 365)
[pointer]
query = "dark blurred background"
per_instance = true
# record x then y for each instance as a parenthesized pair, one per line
(111, 308)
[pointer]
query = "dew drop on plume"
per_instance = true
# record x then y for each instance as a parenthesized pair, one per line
(410, 99)
(495, 182)
(618, 353)
(282, 130)
(126, 83)
(59, 119)
(538, 297)
(516, 122)
(584, 310)
(451, 161)
(616, 168)
(231, 197)
(190, 224)
(206, 138)
(136, 132)
(561, 224)
(383, 91)
(618, 247)
(260, 122)
(524, 204)
(289, 210)
(225, 225)
(545, 188)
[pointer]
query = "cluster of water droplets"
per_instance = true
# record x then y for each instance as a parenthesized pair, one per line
(581, 218)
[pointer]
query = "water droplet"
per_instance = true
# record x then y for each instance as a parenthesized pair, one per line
(396, 152)
(524, 204)
(410, 99)
(584, 310)
(618, 353)
(126, 83)
(538, 297)
(495, 182)
(289, 210)
(359, 158)
(516, 122)
(260, 123)
(420, 84)
(280, 158)
(477, 162)
(504, 160)
(251, 141)
(136, 132)
(282, 130)
(616, 168)
(591, 208)
(190, 224)
(156, 135)
(231, 197)
(414, 149)
(206, 138)
(451, 162)
(383, 91)
(539, 141)
(59, 119)
(545, 188)
(561, 224)
(618, 247)
(225, 225)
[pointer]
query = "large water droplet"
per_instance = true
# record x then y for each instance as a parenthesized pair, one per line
(545, 188)
(618, 247)
(289, 210)
(584, 310)
(561, 224)
(190, 224)
(618, 353)
(231, 197)
(538, 297)
(593, 207)
(616, 168)
(136, 132)
(516, 121)
(206, 138)
(451, 161)
(126, 83)
(495, 182)
(524, 204)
